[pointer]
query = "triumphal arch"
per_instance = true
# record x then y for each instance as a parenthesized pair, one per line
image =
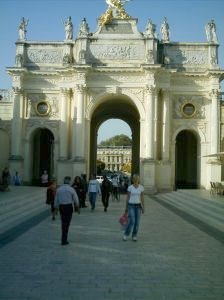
(168, 93)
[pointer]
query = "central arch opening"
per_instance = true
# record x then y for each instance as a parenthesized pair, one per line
(114, 147)
(116, 107)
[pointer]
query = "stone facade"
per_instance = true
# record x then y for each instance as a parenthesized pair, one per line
(114, 156)
(167, 92)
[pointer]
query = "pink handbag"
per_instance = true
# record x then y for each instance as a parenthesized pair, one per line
(123, 220)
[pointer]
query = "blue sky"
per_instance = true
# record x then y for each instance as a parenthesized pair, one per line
(187, 19)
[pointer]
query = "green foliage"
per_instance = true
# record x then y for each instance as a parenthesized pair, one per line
(126, 168)
(117, 140)
(100, 165)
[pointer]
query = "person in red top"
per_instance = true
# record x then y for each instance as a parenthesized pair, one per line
(51, 191)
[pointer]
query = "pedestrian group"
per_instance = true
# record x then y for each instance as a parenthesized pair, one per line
(71, 197)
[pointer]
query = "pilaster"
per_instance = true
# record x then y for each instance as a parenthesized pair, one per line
(214, 94)
(79, 124)
(166, 127)
(64, 124)
(149, 122)
(16, 152)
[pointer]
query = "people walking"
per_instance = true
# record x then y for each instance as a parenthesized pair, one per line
(16, 179)
(44, 179)
(85, 188)
(65, 199)
(134, 207)
(106, 190)
(115, 187)
(51, 191)
(6, 178)
(93, 191)
(78, 186)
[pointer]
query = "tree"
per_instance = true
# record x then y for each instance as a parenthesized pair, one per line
(126, 167)
(117, 140)
(100, 165)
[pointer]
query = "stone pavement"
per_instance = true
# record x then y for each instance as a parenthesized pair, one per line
(173, 259)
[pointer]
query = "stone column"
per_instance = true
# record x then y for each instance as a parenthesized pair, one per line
(17, 124)
(214, 121)
(166, 127)
(149, 122)
(64, 121)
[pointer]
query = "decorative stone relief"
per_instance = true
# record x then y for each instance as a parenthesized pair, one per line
(117, 52)
(16, 81)
(203, 129)
(34, 99)
(41, 123)
(19, 60)
(44, 56)
(117, 77)
(139, 93)
(186, 57)
(81, 76)
(195, 107)
(150, 57)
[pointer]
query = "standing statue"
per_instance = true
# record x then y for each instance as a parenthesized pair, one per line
(210, 30)
(84, 29)
(150, 30)
(165, 31)
(68, 29)
(22, 28)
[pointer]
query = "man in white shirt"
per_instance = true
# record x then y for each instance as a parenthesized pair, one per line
(65, 199)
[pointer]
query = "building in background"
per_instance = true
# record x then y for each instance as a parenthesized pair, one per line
(114, 157)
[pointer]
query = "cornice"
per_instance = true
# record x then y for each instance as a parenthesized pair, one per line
(102, 69)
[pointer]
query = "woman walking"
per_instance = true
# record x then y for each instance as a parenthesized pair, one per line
(93, 190)
(134, 207)
(51, 191)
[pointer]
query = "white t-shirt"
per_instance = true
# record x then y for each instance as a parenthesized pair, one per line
(94, 186)
(135, 194)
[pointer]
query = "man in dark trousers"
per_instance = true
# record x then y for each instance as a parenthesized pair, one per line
(106, 188)
(65, 199)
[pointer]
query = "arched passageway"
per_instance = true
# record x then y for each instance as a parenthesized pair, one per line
(116, 107)
(43, 152)
(186, 160)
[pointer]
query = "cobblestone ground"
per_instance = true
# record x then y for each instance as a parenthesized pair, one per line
(172, 259)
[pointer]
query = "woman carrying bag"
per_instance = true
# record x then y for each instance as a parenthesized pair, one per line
(134, 207)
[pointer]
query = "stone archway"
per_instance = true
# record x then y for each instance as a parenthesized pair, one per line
(43, 152)
(116, 107)
(186, 170)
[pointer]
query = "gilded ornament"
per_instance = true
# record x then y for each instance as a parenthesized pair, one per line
(115, 10)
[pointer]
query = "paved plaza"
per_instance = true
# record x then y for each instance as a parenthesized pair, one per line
(173, 259)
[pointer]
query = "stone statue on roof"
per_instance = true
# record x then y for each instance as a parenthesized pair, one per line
(22, 28)
(210, 30)
(165, 31)
(83, 29)
(150, 30)
(68, 29)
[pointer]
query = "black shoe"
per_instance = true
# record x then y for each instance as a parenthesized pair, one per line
(65, 243)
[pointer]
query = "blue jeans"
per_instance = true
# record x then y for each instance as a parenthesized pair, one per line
(92, 200)
(134, 211)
